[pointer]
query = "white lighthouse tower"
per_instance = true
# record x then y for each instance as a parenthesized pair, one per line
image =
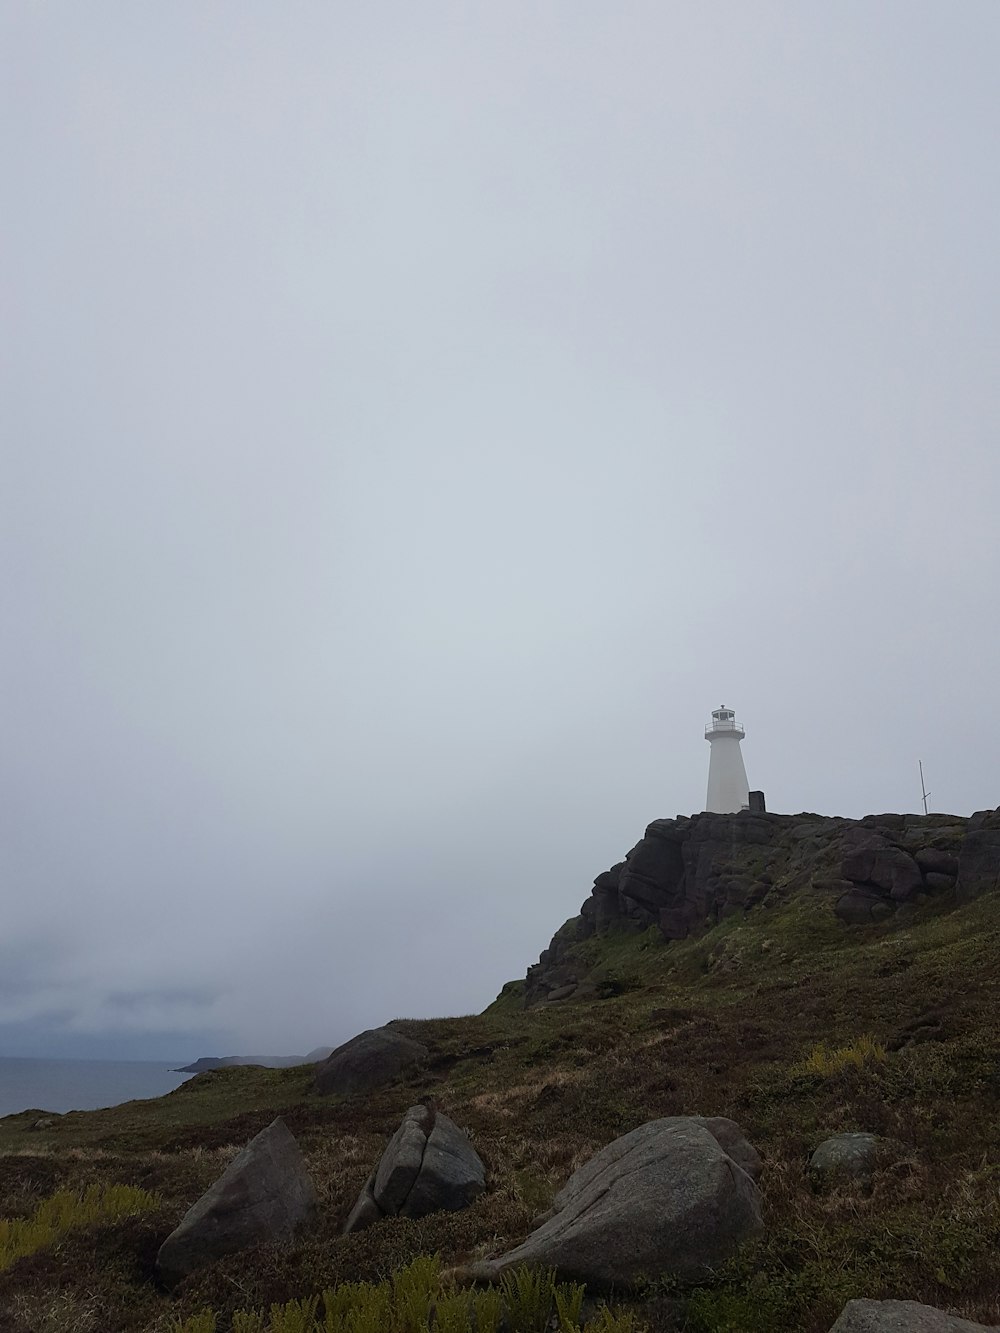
(728, 789)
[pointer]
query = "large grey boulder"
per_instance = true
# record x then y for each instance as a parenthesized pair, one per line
(429, 1166)
(263, 1195)
(726, 1133)
(665, 1199)
(368, 1061)
(902, 1317)
(844, 1157)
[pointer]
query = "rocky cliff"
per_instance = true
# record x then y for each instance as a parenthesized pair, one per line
(687, 874)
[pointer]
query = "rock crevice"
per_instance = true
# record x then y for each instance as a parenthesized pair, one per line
(429, 1165)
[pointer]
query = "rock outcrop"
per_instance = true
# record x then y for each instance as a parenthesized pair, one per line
(979, 856)
(429, 1166)
(263, 1195)
(368, 1061)
(902, 1317)
(665, 1199)
(687, 874)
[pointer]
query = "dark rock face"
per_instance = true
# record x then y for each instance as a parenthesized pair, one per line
(686, 874)
(886, 867)
(979, 857)
(861, 906)
(368, 1061)
(429, 1166)
(665, 1199)
(263, 1195)
(902, 1317)
(651, 874)
(932, 860)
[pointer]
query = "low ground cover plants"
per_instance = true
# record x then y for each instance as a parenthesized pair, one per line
(67, 1211)
(415, 1300)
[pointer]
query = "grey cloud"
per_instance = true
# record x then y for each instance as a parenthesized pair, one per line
(416, 420)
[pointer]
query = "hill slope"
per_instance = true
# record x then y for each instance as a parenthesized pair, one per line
(725, 1021)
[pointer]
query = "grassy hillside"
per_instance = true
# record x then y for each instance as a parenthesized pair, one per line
(726, 1024)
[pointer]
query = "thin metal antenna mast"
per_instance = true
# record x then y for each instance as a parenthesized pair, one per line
(924, 792)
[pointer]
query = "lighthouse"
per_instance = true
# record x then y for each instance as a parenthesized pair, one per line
(728, 789)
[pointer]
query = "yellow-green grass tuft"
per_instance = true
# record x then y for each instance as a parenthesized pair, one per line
(414, 1300)
(826, 1061)
(64, 1212)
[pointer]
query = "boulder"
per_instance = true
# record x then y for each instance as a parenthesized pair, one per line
(937, 882)
(665, 1199)
(937, 862)
(429, 1166)
(367, 1061)
(902, 1317)
(861, 907)
(365, 1211)
(887, 867)
(263, 1195)
(844, 1157)
(731, 1139)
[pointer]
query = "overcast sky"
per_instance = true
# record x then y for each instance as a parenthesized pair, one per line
(416, 418)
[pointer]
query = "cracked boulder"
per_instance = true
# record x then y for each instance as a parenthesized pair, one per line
(667, 1199)
(263, 1195)
(429, 1166)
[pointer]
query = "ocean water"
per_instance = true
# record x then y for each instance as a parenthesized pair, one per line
(80, 1085)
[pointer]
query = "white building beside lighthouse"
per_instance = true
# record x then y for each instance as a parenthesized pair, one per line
(728, 789)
